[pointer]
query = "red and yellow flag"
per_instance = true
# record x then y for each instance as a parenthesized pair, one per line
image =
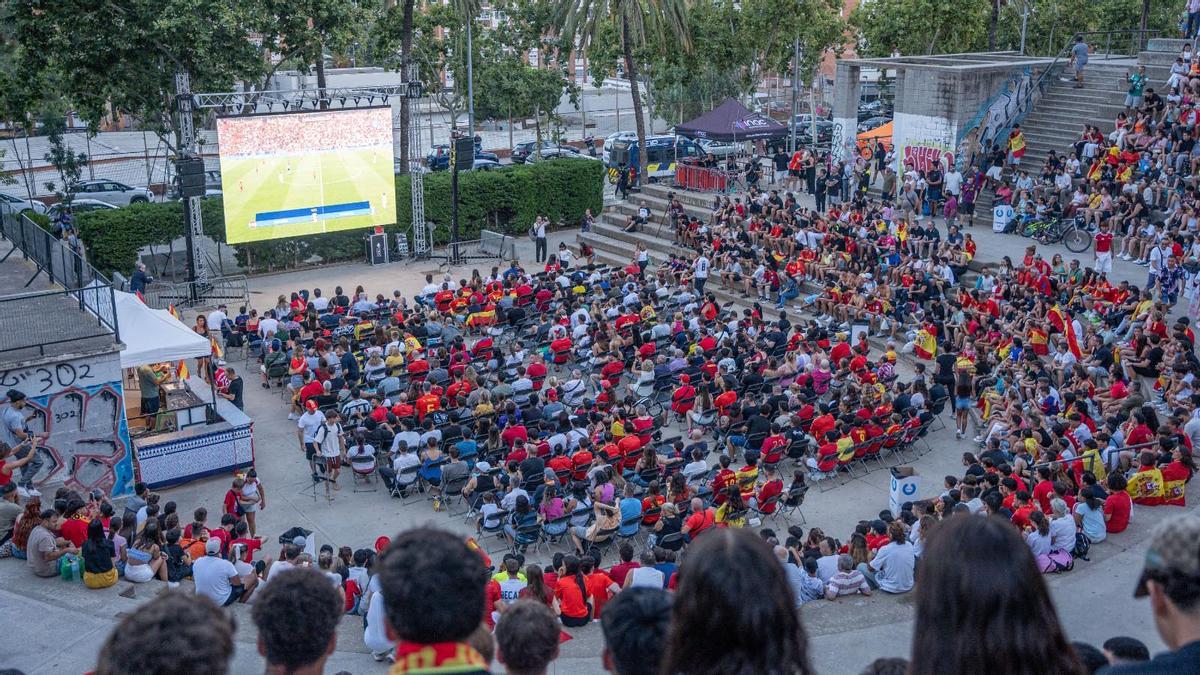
(1061, 320)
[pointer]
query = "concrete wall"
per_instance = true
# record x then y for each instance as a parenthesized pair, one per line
(945, 111)
(80, 402)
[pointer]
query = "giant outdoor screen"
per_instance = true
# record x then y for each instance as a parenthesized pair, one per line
(304, 173)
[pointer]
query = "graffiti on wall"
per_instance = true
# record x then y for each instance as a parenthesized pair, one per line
(921, 141)
(996, 117)
(842, 138)
(77, 410)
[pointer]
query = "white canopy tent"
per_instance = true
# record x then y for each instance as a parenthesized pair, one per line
(153, 335)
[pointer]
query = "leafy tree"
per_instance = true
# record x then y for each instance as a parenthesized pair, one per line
(920, 27)
(68, 163)
(636, 22)
(304, 31)
(108, 58)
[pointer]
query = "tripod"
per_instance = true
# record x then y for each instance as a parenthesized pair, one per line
(319, 477)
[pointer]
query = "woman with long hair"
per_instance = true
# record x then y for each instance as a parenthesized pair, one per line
(26, 521)
(572, 594)
(715, 630)
(98, 553)
(536, 588)
(983, 606)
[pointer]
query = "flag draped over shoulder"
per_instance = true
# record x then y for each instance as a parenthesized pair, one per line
(925, 346)
(1146, 487)
(1062, 322)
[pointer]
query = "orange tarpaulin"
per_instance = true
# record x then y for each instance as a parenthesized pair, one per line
(883, 132)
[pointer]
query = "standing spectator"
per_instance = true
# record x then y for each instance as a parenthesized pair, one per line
(139, 279)
(635, 631)
(1079, 59)
(527, 637)
(297, 616)
(1171, 579)
(978, 578)
(539, 238)
(715, 630)
(173, 634)
(1193, 19)
(433, 591)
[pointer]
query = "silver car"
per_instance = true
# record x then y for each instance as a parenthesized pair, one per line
(112, 192)
(9, 203)
(719, 149)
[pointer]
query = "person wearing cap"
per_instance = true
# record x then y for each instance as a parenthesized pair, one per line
(217, 579)
(1171, 579)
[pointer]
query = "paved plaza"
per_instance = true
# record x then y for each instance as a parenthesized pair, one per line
(55, 627)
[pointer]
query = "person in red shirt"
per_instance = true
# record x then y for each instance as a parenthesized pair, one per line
(701, 520)
(74, 523)
(1044, 488)
(426, 403)
(600, 586)
(560, 349)
(773, 446)
(1118, 505)
(684, 398)
(768, 491)
(1023, 508)
(724, 478)
(513, 433)
(619, 571)
(536, 371)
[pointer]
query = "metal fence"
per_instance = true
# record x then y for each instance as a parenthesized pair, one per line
(37, 317)
(232, 290)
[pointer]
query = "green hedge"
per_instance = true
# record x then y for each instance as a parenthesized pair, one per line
(505, 200)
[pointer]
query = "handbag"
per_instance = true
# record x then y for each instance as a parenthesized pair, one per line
(1055, 561)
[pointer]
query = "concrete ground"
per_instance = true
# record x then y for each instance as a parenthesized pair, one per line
(56, 627)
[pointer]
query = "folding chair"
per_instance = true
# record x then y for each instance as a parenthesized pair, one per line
(363, 468)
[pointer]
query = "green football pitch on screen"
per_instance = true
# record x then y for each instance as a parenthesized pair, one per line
(306, 173)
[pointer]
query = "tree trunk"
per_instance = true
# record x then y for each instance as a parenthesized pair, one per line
(537, 134)
(636, 96)
(993, 21)
(1145, 19)
(321, 79)
(406, 38)
(510, 129)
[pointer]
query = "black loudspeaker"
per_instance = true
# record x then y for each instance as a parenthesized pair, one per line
(462, 154)
(190, 175)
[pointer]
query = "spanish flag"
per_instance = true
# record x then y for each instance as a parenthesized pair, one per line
(182, 370)
(175, 313)
(1146, 487)
(217, 352)
(925, 346)
(1061, 320)
(1037, 341)
(1005, 349)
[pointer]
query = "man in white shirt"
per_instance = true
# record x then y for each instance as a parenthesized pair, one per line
(319, 302)
(218, 579)
(268, 326)
(329, 439)
(952, 181)
(700, 273)
(306, 431)
(217, 318)
(892, 569)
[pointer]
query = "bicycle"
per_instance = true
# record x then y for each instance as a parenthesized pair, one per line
(1070, 232)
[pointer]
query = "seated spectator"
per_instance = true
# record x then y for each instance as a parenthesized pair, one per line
(296, 617)
(527, 638)
(635, 629)
(847, 581)
(892, 569)
(714, 630)
(432, 585)
(173, 634)
(978, 578)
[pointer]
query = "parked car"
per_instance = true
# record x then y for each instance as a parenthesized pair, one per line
(9, 203)
(78, 206)
(112, 192)
(718, 149)
(874, 109)
(438, 158)
(523, 151)
(486, 165)
(872, 123)
(562, 155)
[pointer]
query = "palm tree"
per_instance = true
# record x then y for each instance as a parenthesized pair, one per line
(634, 19)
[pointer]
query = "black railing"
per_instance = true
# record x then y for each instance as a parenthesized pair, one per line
(82, 284)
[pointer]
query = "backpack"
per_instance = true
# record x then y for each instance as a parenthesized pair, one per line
(1083, 544)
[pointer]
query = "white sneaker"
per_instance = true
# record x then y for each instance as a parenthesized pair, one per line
(978, 439)
(172, 584)
(958, 434)
(293, 416)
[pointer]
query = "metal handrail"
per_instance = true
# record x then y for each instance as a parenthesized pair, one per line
(64, 266)
(1139, 38)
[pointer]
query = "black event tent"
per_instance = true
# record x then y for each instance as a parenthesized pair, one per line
(732, 122)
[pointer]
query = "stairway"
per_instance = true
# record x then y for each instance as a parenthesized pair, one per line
(1057, 119)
